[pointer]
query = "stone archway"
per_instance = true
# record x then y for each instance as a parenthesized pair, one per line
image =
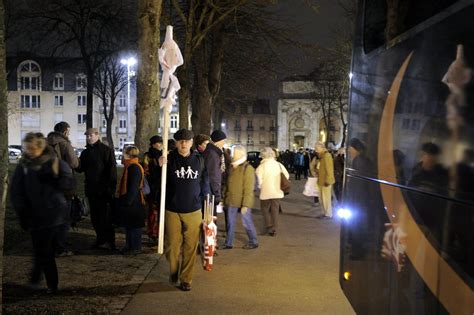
(299, 126)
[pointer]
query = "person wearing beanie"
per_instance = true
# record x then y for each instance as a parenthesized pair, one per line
(152, 170)
(325, 180)
(238, 195)
(268, 175)
(217, 163)
(186, 186)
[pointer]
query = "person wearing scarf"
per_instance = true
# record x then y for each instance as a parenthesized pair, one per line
(37, 193)
(239, 195)
(132, 201)
(152, 169)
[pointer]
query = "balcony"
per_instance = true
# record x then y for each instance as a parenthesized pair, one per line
(121, 130)
(272, 128)
(237, 128)
(249, 128)
(122, 108)
(262, 142)
(272, 143)
(249, 142)
(262, 128)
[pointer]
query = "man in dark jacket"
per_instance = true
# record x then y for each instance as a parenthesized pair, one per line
(37, 195)
(59, 141)
(186, 186)
(215, 163)
(97, 162)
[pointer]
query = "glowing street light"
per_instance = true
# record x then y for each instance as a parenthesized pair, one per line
(129, 62)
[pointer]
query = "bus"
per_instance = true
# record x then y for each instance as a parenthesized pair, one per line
(407, 238)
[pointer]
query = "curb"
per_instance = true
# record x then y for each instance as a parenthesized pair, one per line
(117, 304)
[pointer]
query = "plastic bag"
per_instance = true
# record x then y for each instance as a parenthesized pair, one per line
(311, 187)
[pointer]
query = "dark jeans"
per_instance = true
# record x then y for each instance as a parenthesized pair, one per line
(44, 260)
(298, 171)
(61, 239)
(133, 239)
(100, 217)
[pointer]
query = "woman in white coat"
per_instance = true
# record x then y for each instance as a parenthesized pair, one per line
(268, 175)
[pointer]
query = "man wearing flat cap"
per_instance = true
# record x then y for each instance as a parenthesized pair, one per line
(186, 186)
(97, 162)
(152, 169)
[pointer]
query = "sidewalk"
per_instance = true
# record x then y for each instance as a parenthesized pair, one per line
(295, 272)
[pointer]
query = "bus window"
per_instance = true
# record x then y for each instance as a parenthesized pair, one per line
(386, 19)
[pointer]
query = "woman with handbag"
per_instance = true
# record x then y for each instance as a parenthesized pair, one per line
(271, 175)
(131, 201)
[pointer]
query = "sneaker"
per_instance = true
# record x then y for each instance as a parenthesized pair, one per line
(250, 246)
(184, 286)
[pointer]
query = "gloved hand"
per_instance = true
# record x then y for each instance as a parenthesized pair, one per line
(244, 210)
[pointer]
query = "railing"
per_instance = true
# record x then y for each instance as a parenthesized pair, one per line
(262, 127)
(122, 108)
(237, 128)
(121, 130)
(272, 128)
(250, 128)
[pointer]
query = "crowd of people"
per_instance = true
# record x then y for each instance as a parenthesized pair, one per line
(44, 185)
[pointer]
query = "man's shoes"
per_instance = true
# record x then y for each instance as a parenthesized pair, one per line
(250, 246)
(272, 233)
(184, 286)
(227, 247)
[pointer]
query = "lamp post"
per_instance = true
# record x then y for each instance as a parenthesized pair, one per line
(129, 62)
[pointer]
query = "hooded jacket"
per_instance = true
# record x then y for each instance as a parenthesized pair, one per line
(63, 148)
(37, 191)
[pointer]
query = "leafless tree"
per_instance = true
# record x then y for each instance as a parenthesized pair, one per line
(88, 30)
(111, 79)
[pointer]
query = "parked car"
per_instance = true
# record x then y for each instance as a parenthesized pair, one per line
(253, 157)
(118, 154)
(16, 146)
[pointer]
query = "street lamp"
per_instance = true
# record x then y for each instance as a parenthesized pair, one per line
(129, 62)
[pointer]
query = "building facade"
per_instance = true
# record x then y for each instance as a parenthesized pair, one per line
(301, 121)
(250, 123)
(45, 91)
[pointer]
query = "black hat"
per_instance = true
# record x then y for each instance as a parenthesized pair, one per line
(218, 135)
(430, 148)
(357, 144)
(183, 134)
(156, 139)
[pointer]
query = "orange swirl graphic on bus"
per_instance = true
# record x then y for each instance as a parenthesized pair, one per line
(453, 293)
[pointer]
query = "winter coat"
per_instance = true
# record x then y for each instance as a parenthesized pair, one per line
(98, 163)
(187, 182)
(268, 175)
(239, 187)
(153, 173)
(299, 159)
(216, 168)
(131, 205)
(63, 148)
(37, 191)
(326, 169)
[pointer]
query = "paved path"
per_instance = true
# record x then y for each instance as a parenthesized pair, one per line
(295, 272)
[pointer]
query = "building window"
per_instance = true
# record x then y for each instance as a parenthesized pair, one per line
(238, 137)
(122, 142)
(81, 100)
(29, 76)
(30, 120)
(58, 117)
(81, 82)
(122, 123)
(30, 101)
(174, 121)
(58, 83)
(262, 124)
(122, 100)
(406, 123)
(415, 124)
(58, 100)
(249, 123)
(249, 138)
(237, 124)
(81, 119)
(104, 123)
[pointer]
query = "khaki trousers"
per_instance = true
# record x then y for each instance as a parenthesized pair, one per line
(325, 194)
(182, 236)
(270, 213)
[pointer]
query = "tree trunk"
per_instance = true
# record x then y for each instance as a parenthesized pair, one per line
(148, 95)
(201, 94)
(183, 96)
(3, 139)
